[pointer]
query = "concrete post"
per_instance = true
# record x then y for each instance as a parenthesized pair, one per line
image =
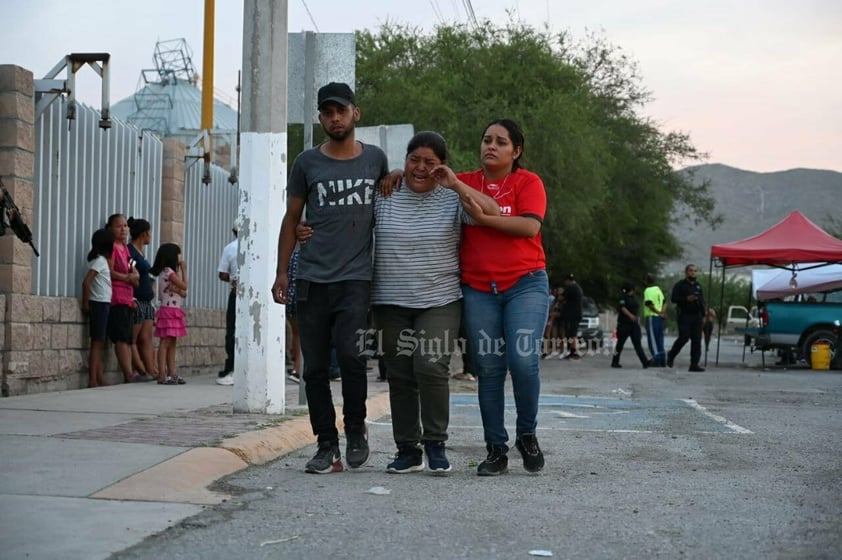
(172, 193)
(259, 377)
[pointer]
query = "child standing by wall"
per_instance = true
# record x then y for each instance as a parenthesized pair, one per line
(143, 350)
(96, 301)
(124, 278)
(171, 271)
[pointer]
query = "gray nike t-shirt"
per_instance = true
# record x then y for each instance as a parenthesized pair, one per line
(340, 209)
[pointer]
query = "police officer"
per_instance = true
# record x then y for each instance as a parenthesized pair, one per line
(690, 304)
(628, 326)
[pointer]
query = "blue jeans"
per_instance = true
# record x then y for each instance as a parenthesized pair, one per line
(655, 339)
(505, 333)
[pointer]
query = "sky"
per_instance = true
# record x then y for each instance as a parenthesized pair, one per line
(756, 84)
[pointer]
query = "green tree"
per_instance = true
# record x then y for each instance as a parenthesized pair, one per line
(609, 172)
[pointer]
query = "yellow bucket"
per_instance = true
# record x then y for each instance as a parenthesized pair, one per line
(820, 356)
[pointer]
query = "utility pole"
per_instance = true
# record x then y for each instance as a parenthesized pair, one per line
(259, 366)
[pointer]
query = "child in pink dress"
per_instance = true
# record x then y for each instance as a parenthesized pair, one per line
(171, 271)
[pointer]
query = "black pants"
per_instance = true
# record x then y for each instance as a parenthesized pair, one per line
(689, 328)
(632, 331)
(334, 313)
(230, 323)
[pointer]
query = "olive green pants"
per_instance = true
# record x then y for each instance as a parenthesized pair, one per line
(416, 346)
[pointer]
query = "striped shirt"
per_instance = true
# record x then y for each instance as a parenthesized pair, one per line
(416, 248)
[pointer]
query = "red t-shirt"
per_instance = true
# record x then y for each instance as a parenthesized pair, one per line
(488, 255)
(122, 293)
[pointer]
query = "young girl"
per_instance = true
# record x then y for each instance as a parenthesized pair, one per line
(124, 278)
(171, 271)
(143, 350)
(96, 300)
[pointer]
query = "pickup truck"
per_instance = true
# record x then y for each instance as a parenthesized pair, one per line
(798, 325)
(740, 317)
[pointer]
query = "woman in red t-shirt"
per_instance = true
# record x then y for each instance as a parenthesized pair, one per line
(505, 287)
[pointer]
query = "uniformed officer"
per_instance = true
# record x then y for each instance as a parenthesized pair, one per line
(690, 305)
(628, 326)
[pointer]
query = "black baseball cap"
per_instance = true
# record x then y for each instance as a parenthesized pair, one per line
(338, 93)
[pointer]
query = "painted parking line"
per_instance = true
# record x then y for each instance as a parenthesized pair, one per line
(604, 414)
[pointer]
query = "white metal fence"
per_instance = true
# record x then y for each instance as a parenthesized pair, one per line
(209, 214)
(83, 174)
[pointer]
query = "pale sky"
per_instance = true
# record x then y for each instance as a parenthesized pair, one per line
(757, 84)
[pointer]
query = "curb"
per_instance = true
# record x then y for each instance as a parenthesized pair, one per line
(185, 477)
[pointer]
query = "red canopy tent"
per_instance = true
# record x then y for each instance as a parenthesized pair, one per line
(793, 240)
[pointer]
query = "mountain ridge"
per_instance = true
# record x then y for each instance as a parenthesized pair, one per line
(751, 202)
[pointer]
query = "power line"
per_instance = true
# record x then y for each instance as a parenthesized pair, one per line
(313, 21)
(469, 9)
(437, 11)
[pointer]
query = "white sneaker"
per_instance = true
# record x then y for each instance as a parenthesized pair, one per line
(227, 380)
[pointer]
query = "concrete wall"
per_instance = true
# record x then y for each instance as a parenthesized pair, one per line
(44, 340)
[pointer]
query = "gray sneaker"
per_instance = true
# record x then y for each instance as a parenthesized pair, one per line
(326, 460)
(356, 450)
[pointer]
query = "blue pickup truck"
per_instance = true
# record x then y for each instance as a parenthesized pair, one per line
(797, 325)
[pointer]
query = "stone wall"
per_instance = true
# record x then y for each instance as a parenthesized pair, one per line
(47, 344)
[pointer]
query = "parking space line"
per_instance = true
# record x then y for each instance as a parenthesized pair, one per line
(724, 421)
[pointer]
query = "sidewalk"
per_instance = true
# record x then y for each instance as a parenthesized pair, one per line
(87, 473)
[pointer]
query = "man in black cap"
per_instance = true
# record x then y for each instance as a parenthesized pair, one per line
(336, 182)
(571, 315)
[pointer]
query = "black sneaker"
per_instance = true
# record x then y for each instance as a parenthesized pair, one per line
(696, 368)
(437, 463)
(356, 450)
(670, 361)
(326, 460)
(496, 462)
(408, 459)
(533, 459)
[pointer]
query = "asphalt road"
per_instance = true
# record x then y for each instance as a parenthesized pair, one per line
(736, 462)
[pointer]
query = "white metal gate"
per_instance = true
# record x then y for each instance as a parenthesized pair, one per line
(83, 174)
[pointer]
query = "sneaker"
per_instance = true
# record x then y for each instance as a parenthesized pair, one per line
(227, 380)
(223, 373)
(615, 365)
(294, 376)
(670, 361)
(437, 463)
(408, 459)
(326, 460)
(496, 462)
(533, 459)
(356, 450)
(696, 368)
